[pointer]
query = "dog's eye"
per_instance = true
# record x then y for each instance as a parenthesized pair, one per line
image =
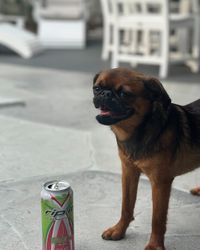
(96, 88)
(124, 94)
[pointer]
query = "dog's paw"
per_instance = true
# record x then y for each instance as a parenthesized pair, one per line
(114, 233)
(151, 247)
(195, 191)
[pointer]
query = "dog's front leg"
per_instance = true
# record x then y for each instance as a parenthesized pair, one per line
(130, 178)
(160, 194)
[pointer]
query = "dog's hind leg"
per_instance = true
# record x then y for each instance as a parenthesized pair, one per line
(160, 194)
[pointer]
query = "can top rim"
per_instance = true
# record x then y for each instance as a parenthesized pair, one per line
(56, 185)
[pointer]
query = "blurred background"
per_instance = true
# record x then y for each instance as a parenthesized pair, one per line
(150, 36)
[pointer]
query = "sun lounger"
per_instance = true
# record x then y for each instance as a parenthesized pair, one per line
(18, 40)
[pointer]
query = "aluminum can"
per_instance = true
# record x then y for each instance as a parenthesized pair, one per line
(57, 216)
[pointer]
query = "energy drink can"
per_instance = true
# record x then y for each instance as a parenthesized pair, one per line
(57, 216)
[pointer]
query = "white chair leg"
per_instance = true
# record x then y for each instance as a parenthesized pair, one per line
(196, 46)
(163, 71)
(133, 44)
(146, 41)
(183, 48)
(116, 44)
(106, 42)
(164, 65)
(194, 64)
(183, 45)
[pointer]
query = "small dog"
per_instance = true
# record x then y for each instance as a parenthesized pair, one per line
(154, 137)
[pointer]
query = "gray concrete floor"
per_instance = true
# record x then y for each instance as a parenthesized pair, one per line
(48, 131)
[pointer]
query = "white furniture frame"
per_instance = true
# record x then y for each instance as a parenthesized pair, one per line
(14, 37)
(60, 33)
(108, 23)
(161, 22)
(108, 26)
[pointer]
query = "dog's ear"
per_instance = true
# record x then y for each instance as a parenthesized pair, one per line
(96, 77)
(156, 92)
(159, 97)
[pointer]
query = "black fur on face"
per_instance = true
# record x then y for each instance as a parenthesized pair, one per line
(110, 102)
(113, 108)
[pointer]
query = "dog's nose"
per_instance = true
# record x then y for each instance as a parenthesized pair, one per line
(106, 93)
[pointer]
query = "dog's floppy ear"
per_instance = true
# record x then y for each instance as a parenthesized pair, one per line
(159, 97)
(96, 77)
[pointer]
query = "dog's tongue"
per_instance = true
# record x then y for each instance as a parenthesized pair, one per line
(105, 112)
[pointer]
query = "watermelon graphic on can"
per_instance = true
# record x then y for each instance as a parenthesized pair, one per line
(57, 216)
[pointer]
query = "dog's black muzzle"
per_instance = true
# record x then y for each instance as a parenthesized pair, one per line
(108, 100)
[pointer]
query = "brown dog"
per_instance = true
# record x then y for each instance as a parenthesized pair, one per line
(154, 137)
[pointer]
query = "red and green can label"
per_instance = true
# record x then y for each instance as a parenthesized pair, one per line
(57, 220)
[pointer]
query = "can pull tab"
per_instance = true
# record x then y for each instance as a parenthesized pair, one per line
(55, 186)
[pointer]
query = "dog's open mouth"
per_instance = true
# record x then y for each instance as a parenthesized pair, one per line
(105, 111)
(111, 112)
(109, 117)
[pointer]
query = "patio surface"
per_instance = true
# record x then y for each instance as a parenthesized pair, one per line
(54, 135)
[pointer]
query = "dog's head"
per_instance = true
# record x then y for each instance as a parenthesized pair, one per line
(122, 94)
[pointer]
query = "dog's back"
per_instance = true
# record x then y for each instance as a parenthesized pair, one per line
(192, 112)
(195, 106)
(187, 135)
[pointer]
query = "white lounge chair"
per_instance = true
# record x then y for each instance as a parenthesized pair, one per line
(61, 23)
(19, 40)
